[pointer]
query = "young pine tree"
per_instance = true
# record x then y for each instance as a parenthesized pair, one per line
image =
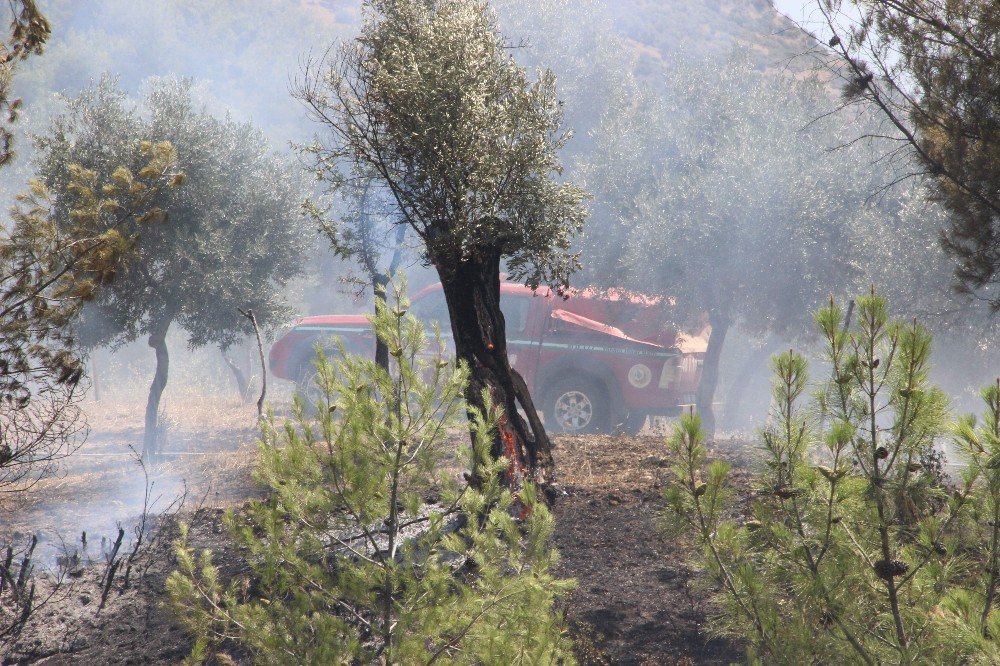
(364, 553)
(857, 550)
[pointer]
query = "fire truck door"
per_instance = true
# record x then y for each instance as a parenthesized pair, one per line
(523, 341)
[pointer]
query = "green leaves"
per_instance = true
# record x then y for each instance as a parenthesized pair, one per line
(225, 233)
(60, 253)
(945, 52)
(428, 98)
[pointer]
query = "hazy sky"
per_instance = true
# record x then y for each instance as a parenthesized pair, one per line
(795, 9)
(806, 14)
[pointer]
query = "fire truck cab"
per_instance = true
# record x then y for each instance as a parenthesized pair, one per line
(592, 362)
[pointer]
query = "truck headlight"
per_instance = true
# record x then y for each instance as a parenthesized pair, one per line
(671, 373)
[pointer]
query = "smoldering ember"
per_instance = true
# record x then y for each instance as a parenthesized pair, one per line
(500, 332)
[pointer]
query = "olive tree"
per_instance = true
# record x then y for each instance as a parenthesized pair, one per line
(48, 271)
(429, 101)
(235, 236)
(360, 223)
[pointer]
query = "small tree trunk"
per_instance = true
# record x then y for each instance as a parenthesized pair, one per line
(737, 391)
(379, 283)
(158, 341)
(242, 384)
(263, 364)
(710, 370)
(472, 291)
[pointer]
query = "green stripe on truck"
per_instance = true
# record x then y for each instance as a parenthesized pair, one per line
(516, 343)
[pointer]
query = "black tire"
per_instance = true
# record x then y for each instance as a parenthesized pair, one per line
(577, 405)
(633, 423)
(306, 388)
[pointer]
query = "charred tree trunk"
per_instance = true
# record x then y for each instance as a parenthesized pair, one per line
(710, 371)
(158, 341)
(472, 291)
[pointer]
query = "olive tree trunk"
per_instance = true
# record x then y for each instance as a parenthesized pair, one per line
(472, 291)
(710, 370)
(158, 341)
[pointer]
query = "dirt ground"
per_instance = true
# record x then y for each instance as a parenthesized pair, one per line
(634, 604)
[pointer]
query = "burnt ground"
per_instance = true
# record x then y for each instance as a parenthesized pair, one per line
(636, 600)
(135, 626)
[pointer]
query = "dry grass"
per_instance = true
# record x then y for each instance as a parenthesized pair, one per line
(200, 407)
(605, 462)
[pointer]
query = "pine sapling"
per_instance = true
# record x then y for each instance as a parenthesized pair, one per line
(854, 551)
(367, 551)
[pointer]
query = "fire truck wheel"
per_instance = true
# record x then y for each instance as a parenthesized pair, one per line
(633, 424)
(577, 405)
(306, 387)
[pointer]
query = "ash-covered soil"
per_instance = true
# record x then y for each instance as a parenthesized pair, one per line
(135, 626)
(636, 600)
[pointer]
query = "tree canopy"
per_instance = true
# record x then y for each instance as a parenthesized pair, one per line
(50, 268)
(930, 69)
(735, 194)
(465, 155)
(235, 237)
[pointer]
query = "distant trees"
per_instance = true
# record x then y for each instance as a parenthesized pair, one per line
(930, 68)
(48, 271)
(723, 193)
(429, 102)
(362, 224)
(235, 235)
(246, 47)
(576, 40)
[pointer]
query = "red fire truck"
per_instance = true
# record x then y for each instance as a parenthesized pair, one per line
(593, 362)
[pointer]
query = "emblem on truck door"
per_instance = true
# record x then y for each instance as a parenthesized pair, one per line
(640, 376)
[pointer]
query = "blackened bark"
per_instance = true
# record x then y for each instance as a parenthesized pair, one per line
(472, 291)
(158, 341)
(710, 371)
